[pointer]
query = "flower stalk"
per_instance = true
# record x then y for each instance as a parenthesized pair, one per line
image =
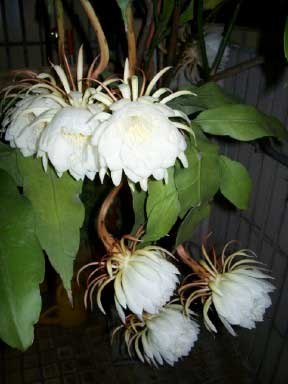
(104, 50)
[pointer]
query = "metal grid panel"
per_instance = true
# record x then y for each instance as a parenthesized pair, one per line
(263, 227)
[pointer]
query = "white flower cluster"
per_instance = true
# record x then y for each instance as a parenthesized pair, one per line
(102, 129)
(144, 282)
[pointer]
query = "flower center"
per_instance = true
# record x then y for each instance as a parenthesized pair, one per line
(78, 139)
(138, 129)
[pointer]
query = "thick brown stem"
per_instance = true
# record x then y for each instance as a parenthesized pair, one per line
(106, 237)
(131, 40)
(60, 29)
(196, 267)
(104, 50)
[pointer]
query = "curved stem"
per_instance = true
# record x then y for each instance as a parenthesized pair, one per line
(131, 40)
(104, 50)
(194, 265)
(106, 237)
(60, 28)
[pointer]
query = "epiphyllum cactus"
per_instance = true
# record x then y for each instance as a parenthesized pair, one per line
(140, 138)
(234, 284)
(144, 280)
(164, 337)
(56, 120)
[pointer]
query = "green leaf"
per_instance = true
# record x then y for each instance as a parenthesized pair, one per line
(9, 163)
(123, 5)
(198, 183)
(209, 95)
(211, 4)
(238, 121)
(162, 207)
(59, 214)
(21, 267)
(277, 127)
(286, 39)
(139, 198)
(191, 221)
(236, 184)
(188, 14)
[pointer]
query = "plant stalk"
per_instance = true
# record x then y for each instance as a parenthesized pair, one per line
(131, 40)
(225, 39)
(60, 28)
(104, 50)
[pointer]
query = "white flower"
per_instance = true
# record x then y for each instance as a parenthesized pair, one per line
(235, 285)
(140, 138)
(67, 142)
(26, 121)
(241, 297)
(165, 337)
(144, 280)
(56, 119)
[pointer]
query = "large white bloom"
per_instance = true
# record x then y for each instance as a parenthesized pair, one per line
(56, 118)
(67, 142)
(165, 337)
(241, 297)
(26, 121)
(144, 280)
(236, 285)
(140, 138)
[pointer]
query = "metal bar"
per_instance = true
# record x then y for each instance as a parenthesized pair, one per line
(23, 29)
(6, 34)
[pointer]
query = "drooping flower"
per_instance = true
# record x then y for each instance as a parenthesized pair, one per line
(25, 122)
(235, 285)
(144, 280)
(141, 139)
(162, 338)
(56, 118)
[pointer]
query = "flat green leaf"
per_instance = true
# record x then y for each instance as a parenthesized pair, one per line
(211, 4)
(123, 5)
(139, 198)
(286, 39)
(191, 221)
(209, 95)
(236, 184)
(162, 208)
(198, 183)
(59, 213)
(9, 163)
(238, 121)
(277, 127)
(188, 14)
(21, 267)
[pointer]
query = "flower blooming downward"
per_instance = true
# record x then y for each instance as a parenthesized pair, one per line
(140, 138)
(235, 285)
(144, 280)
(56, 119)
(165, 337)
(26, 121)
(67, 142)
(240, 297)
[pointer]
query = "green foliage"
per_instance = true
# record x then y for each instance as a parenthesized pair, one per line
(21, 267)
(9, 163)
(198, 183)
(191, 221)
(123, 5)
(236, 184)
(188, 13)
(59, 213)
(241, 122)
(209, 95)
(286, 39)
(162, 207)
